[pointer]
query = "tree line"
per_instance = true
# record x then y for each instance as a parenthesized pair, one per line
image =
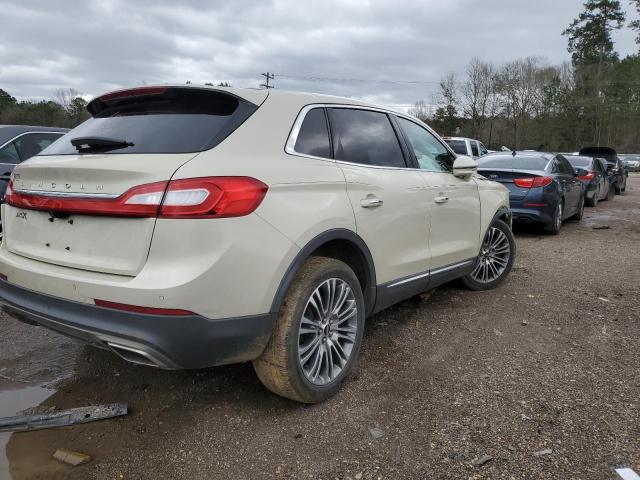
(529, 104)
(67, 109)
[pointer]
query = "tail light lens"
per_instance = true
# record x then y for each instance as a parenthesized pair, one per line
(212, 197)
(533, 182)
(207, 197)
(588, 176)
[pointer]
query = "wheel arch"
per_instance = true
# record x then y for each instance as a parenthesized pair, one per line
(344, 245)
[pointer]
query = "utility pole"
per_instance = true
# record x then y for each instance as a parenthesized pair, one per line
(268, 76)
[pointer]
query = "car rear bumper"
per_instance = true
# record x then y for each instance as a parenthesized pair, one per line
(171, 342)
(532, 214)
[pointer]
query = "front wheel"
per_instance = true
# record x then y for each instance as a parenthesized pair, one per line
(317, 335)
(593, 201)
(496, 258)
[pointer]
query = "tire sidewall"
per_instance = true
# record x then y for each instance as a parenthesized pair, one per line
(311, 281)
(473, 284)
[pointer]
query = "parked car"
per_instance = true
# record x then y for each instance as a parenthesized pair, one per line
(592, 172)
(615, 166)
(21, 142)
(226, 225)
(543, 187)
(631, 162)
(467, 146)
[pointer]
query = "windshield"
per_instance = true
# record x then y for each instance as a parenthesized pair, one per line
(177, 120)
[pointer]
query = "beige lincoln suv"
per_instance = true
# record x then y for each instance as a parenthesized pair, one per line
(186, 227)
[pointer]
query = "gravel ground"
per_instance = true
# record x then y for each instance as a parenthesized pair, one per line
(542, 376)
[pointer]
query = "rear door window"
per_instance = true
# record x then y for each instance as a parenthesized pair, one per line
(31, 144)
(430, 153)
(160, 120)
(313, 137)
(365, 137)
(565, 166)
(9, 154)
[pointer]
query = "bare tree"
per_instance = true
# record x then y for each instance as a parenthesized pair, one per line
(65, 96)
(476, 92)
(420, 110)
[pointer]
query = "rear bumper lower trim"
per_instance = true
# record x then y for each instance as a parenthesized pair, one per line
(171, 342)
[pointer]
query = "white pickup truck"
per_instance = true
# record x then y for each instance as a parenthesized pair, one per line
(467, 146)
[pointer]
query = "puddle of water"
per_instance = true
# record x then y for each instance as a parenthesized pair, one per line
(15, 397)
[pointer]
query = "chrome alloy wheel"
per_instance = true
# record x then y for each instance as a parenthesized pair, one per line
(328, 331)
(494, 257)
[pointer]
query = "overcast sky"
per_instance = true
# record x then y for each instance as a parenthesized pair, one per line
(98, 45)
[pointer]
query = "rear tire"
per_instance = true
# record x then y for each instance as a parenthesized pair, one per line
(612, 193)
(618, 189)
(593, 201)
(307, 360)
(497, 254)
(554, 227)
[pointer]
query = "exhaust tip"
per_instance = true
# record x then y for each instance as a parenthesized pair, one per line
(134, 355)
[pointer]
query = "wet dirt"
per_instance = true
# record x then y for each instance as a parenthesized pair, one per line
(550, 361)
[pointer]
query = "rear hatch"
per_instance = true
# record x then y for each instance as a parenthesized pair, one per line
(135, 137)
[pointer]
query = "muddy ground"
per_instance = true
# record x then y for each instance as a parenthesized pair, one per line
(542, 375)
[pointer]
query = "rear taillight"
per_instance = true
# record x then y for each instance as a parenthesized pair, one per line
(533, 182)
(206, 197)
(212, 197)
(588, 176)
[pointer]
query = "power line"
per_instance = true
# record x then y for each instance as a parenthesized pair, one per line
(354, 80)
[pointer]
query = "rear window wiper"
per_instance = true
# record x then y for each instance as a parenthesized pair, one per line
(85, 144)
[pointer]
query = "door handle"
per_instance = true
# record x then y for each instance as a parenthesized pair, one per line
(441, 199)
(371, 202)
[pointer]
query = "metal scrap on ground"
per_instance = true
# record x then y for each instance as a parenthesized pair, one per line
(62, 418)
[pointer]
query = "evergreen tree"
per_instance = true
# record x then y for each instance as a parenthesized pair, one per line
(589, 35)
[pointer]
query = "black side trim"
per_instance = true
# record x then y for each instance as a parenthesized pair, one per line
(314, 244)
(395, 291)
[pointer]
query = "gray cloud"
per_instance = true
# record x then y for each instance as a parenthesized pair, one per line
(98, 45)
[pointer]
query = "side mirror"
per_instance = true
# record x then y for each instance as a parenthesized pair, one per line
(464, 167)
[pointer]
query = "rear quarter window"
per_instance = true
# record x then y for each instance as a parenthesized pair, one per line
(313, 137)
(176, 120)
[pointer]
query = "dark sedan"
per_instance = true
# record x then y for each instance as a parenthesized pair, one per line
(21, 142)
(617, 171)
(543, 187)
(592, 172)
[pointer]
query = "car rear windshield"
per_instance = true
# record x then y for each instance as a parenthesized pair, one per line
(160, 120)
(579, 162)
(511, 162)
(458, 146)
